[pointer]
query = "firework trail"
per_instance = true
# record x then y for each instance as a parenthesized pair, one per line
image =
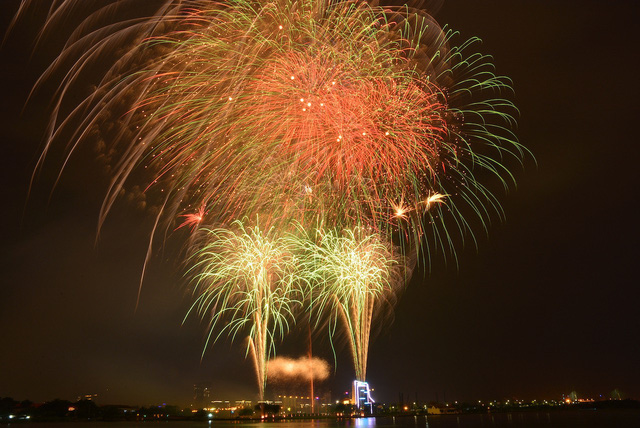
(246, 277)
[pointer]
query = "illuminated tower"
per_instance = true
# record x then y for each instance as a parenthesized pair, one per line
(361, 396)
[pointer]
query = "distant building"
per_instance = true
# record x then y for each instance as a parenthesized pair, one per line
(89, 397)
(201, 394)
(294, 404)
(225, 409)
(441, 410)
(244, 404)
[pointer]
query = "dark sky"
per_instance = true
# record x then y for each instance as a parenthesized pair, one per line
(546, 305)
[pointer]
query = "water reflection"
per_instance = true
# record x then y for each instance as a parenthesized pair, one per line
(559, 419)
(365, 422)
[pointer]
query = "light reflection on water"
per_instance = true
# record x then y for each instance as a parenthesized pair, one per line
(365, 422)
(557, 419)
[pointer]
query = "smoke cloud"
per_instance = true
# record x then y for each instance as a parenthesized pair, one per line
(303, 368)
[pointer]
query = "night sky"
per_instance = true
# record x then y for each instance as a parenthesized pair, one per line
(547, 304)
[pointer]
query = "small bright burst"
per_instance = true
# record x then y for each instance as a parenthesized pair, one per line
(193, 220)
(434, 198)
(400, 210)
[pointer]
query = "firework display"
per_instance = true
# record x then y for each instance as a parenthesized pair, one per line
(355, 132)
(352, 273)
(247, 277)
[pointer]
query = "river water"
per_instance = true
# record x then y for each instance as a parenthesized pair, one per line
(554, 419)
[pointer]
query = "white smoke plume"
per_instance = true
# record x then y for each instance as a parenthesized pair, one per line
(303, 368)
